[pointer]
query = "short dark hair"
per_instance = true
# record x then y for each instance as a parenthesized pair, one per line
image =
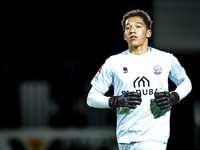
(140, 13)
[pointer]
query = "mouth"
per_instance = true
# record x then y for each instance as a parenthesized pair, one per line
(133, 37)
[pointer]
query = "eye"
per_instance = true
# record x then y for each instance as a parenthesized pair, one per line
(127, 28)
(139, 26)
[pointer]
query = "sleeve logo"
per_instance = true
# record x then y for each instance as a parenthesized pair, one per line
(99, 71)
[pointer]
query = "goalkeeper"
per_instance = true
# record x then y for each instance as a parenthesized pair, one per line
(139, 76)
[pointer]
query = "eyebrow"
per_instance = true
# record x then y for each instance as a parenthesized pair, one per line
(136, 23)
(139, 23)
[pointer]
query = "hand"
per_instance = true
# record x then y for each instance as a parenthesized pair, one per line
(165, 100)
(129, 99)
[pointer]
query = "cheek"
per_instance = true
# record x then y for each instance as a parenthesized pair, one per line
(125, 36)
(143, 34)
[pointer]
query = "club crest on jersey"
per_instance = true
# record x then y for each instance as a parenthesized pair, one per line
(157, 70)
(125, 70)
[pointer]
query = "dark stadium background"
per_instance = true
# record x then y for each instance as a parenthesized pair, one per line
(62, 46)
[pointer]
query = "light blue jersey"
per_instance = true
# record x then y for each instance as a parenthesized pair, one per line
(145, 73)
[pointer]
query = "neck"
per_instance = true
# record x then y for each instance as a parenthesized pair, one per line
(138, 50)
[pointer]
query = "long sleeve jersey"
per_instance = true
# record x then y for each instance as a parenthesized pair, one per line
(145, 73)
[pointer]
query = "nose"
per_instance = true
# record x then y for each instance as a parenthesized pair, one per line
(132, 30)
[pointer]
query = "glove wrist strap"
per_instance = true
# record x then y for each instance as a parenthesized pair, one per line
(176, 97)
(113, 102)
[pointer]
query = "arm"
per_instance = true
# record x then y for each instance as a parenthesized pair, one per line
(97, 99)
(100, 85)
(179, 77)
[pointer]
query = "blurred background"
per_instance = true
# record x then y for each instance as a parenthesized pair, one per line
(52, 50)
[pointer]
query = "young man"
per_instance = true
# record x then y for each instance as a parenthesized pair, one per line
(140, 79)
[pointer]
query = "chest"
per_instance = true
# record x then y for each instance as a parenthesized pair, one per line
(141, 72)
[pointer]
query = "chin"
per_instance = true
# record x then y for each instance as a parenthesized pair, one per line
(135, 46)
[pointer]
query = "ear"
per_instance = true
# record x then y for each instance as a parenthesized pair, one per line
(124, 36)
(149, 33)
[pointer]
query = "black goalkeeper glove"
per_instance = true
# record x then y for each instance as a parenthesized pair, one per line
(165, 99)
(129, 99)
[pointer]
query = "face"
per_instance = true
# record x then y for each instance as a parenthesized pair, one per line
(136, 32)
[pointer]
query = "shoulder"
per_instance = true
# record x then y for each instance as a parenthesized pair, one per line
(115, 58)
(161, 52)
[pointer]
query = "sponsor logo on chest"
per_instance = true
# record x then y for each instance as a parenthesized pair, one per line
(142, 84)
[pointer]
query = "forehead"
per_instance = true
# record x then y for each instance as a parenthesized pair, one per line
(135, 19)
